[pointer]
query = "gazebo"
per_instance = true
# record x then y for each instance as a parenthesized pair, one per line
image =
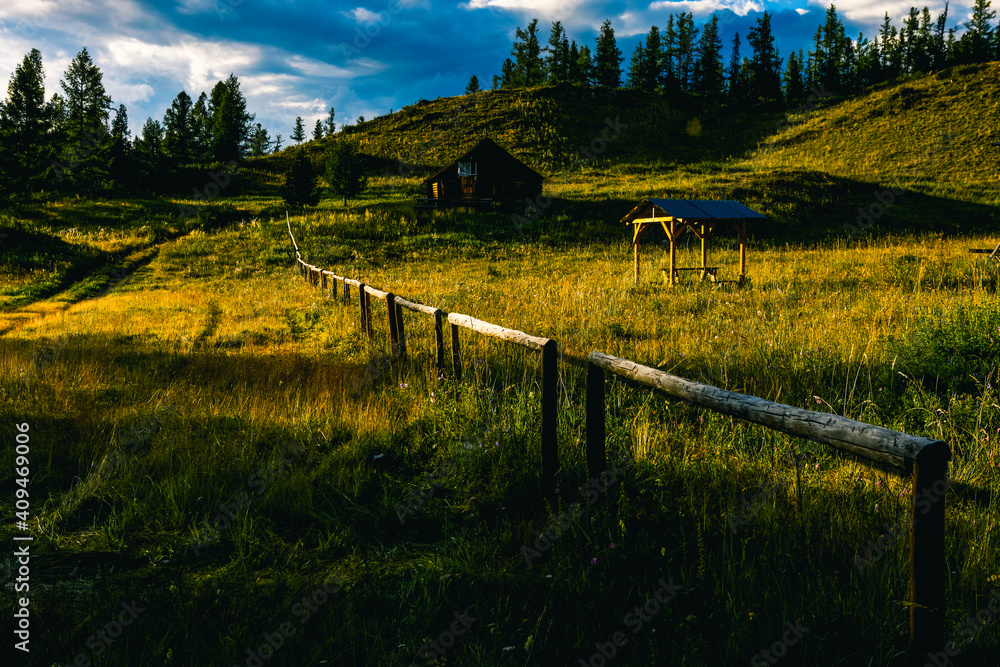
(702, 217)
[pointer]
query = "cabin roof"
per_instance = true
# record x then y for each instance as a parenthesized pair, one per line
(693, 209)
(487, 151)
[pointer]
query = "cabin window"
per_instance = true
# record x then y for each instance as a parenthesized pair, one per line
(466, 168)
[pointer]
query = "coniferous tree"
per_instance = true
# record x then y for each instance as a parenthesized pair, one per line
(148, 151)
(299, 131)
(473, 85)
(686, 51)
(231, 123)
(709, 79)
(84, 156)
(585, 66)
(557, 54)
(765, 64)
(891, 52)
(507, 79)
(669, 78)
(277, 142)
(344, 172)
(976, 45)
(528, 68)
(637, 68)
(653, 78)
(318, 130)
(607, 58)
(300, 187)
(734, 81)
(908, 39)
(179, 131)
(573, 74)
(940, 56)
(833, 69)
(121, 165)
(794, 79)
(260, 144)
(201, 129)
(26, 128)
(330, 125)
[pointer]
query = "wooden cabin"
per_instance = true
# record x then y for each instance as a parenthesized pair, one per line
(486, 175)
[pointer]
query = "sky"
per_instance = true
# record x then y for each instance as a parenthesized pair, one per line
(300, 57)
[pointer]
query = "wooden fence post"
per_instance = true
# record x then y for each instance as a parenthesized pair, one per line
(456, 355)
(347, 292)
(928, 569)
(323, 277)
(439, 338)
(401, 332)
(333, 287)
(368, 311)
(550, 450)
(364, 308)
(390, 304)
(597, 461)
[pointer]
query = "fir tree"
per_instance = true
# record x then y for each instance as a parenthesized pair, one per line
(344, 172)
(472, 86)
(318, 130)
(765, 65)
(300, 187)
(26, 126)
(179, 132)
(330, 125)
(607, 58)
(299, 131)
(708, 75)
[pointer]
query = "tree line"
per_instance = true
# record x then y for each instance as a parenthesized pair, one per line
(78, 141)
(685, 58)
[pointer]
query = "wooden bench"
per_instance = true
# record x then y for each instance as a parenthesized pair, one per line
(709, 271)
(995, 253)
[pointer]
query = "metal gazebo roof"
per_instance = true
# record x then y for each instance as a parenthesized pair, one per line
(695, 209)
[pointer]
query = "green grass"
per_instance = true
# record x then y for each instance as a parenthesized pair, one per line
(169, 371)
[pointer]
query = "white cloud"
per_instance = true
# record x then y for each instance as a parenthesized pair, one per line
(865, 11)
(704, 7)
(801, 12)
(130, 93)
(544, 9)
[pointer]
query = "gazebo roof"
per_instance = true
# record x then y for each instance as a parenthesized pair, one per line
(693, 209)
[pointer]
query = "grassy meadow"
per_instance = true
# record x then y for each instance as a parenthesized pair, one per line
(217, 444)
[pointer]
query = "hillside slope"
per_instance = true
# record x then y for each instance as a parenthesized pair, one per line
(932, 128)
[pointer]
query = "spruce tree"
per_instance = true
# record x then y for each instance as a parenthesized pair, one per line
(557, 54)
(298, 131)
(685, 51)
(709, 78)
(179, 131)
(318, 130)
(84, 155)
(607, 58)
(231, 123)
(26, 126)
(344, 170)
(300, 187)
(121, 165)
(637, 68)
(472, 86)
(260, 144)
(330, 124)
(765, 65)
(528, 66)
(794, 79)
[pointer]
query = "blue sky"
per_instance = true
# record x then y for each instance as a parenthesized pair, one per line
(364, 57)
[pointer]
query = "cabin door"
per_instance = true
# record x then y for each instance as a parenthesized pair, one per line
(468, 187)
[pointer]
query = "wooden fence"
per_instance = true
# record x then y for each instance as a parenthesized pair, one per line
(924, 460)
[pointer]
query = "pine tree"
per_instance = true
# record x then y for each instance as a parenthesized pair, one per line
(834, 72)
(300, 187)
(179, 131)
(344, 172)
(299, 131)
(472, 86)
(318, 130)
(794, 79)
(585, 65)
(668, 63)
(201, 128)
(654, 60)
(976, 45)
(557, 54)
(685, 51)
(231, 123)
(892, 55)
(637, 68)
(260, 144)
(708, 75)
(507, 78)
(528, 66)
(330, 124)
(121, 165)
(277, 142)
(148, 151)
(733, 80)
(84, 160)
(607, 58)
(765, 65)
(26, 126)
